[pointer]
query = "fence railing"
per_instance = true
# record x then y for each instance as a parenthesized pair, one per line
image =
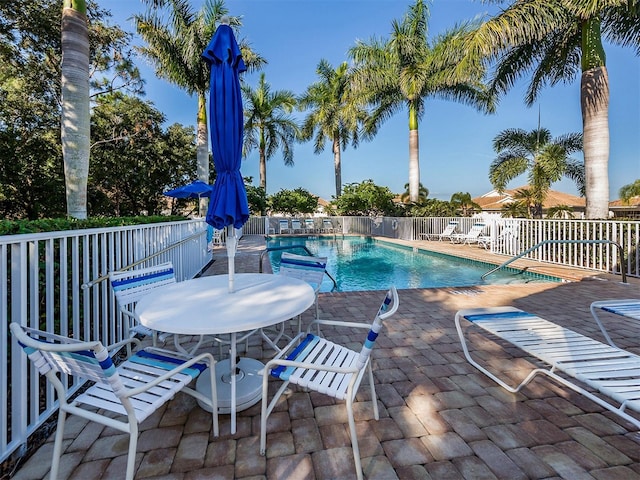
(41, 280)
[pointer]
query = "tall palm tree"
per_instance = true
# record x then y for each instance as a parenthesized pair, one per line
(175, 43)
(76, 118)
(334, 116)
(269, 125)
(553, 41)
(407, 69)
(546, 160)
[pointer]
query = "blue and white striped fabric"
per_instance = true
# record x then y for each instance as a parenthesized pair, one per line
(631, 310)
(376, 326)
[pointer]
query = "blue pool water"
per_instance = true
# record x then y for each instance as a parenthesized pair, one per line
(362, 263)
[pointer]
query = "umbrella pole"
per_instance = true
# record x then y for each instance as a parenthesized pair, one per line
(232, 242)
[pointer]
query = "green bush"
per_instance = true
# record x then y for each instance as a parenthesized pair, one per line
(16, 227)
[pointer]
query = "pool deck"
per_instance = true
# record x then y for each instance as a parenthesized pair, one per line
(439, 417)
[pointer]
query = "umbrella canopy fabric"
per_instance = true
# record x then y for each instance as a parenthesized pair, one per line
(195, 189)
(228, 204)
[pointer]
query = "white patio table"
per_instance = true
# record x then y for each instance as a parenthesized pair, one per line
(204, 306)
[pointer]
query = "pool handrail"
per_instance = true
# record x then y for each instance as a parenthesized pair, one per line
(289, 247)
(623, 270)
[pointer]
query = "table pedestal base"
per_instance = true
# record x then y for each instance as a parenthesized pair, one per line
(248, 385)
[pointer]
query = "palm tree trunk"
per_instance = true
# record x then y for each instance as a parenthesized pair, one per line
(594, 102)
(337, 166)
(202, 154)
(75, 124)
(263, 161)
(594, 96)
(414, 155)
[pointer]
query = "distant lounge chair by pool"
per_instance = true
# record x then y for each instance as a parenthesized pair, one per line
(327, 226)
(472, 236)
(296, 226)
(448, 231)
(284, 226)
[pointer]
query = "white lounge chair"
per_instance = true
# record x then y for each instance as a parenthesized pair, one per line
(629, 308)
(309, 225)
(296, 226)
(472, 236)
(284, 226)
(129, 393)
(446, 234)
(612, 371)
(317, 364)
(327, 226)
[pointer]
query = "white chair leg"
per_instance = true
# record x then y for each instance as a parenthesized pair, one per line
(354, 438)
(57, 445)
(374, 397)
(131, 457)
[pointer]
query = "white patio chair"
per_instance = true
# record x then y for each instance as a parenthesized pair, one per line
(134, 389)
(308, 268)
(323, 366)
(129, 286)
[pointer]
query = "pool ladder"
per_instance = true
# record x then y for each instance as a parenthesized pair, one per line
(292, 247)
(623, 269)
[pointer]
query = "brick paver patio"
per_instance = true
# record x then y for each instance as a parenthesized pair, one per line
(439, 417)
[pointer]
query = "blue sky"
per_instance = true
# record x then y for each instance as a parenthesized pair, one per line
(455, 140)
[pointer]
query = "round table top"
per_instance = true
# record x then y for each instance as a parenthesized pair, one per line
(205, 306)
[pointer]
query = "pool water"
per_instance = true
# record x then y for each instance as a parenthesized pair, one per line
(362, 263)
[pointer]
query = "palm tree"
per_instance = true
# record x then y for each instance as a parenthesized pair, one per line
(175, 48)
(516, 209)
(269, 125)
(553, 41)
(627, 192)
(335, 115)
(528, 199)
(76, 118)
(423, 193)
(546, 159)
(560, 211)
(462, 201)
(407, 69)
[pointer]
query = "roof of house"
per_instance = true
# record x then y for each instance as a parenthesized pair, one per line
(495, 201)
(633, 203)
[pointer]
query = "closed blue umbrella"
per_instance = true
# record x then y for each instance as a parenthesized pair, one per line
(228, 202)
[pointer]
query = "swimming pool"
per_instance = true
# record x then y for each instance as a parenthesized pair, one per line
(363, 263)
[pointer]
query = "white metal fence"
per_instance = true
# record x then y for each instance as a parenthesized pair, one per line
(53, 281)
